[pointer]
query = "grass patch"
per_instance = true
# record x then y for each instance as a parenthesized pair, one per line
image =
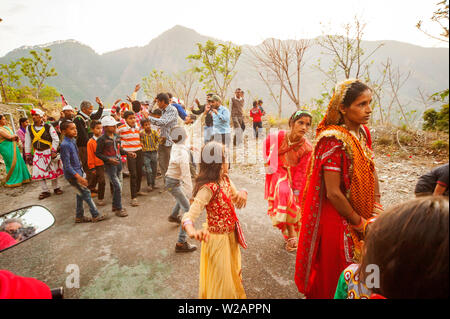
(140, 281)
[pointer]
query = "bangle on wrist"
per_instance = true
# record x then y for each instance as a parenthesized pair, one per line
(360, 225)
(187, 222)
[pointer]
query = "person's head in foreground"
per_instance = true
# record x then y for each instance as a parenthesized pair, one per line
(409, 245)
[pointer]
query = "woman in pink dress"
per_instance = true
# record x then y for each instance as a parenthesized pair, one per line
(287, 155)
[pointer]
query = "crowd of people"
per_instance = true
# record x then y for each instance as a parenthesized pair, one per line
(323, 195)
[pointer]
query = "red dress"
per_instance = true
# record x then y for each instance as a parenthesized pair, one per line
(285, 179)
(326, 245)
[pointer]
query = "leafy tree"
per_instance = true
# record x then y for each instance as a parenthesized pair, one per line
(156, 82)
(217, 63)
(437, 121)
(37, 68)
(9, 79)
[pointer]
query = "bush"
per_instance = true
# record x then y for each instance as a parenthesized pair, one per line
(439, 145)
(277, 122)
(437, 121)
(385, 140)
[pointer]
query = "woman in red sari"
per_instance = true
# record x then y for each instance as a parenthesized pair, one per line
(341, 192)
(287, 157)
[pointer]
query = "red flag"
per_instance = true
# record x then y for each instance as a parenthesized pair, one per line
(64, 102)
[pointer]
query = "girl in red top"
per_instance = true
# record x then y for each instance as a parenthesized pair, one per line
(220, 259)
(256, 114)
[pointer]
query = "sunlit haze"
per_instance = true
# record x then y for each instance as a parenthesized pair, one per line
(110, 25)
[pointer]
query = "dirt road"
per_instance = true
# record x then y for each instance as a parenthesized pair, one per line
(134, 257)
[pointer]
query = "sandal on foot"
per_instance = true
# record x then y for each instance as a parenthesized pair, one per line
(83, 219)
(121, 212)
(58, 191)
(44, 195)
(291, 244)
(98, 218)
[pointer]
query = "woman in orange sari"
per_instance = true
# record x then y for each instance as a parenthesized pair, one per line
(341, 192)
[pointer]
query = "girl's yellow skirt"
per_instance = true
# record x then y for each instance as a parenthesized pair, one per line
(220, 268)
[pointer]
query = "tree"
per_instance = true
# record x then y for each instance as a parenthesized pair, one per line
(349, 58)
(184, 85)
(156, 82)
(270, 81)
(440, 17)
(37, 68)
(282, 60)
(9, 79)
(216, 65)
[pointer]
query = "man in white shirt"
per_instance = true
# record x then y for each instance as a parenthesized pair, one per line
(179, 184)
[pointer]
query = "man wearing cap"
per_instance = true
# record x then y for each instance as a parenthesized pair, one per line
(83, 123)
(68, 113)
(221, 120)
(45, 141)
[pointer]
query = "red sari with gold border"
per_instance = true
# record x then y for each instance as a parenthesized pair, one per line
(327, 244)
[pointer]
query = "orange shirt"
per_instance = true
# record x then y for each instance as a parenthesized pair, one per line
(93, 160)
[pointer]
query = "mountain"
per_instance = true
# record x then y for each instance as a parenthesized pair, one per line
(84, 74)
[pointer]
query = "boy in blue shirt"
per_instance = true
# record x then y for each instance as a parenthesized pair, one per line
(73, 172)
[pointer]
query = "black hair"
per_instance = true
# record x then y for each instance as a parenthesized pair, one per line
(126, 114)
(409, 244)
(210, 94)
(354, 91)
(65, 124)
(255, 103)
(136, 106)
(22, 120)
(163, 97)
(51, 119)
(157, 112)
(298, 115)
(143, 121)
(193, 117)
(260, 101)
(94, 123)
(1, 116)
(169, 95)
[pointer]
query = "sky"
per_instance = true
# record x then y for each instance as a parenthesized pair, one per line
(107, 25)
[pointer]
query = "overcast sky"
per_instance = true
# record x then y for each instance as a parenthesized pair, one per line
(107, 25)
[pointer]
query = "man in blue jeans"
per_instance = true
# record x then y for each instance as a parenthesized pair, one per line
(179, 184)
(109, 151)
(75, 175)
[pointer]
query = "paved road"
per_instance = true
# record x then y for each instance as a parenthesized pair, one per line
(134, 257)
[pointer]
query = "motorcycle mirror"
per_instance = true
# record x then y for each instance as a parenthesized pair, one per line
(22, 224)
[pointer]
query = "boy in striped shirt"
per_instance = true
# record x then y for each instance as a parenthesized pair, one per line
(131, 143)
(150, 141)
